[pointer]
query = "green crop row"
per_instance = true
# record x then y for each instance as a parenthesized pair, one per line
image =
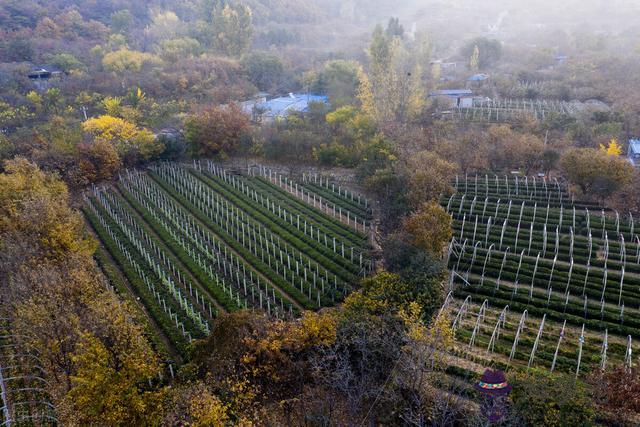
(111, 273)
(211, 285)
(248, 257)
(333, 262)
(339, 200)
(167, 325)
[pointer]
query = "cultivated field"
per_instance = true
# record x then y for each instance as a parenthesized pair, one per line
(191, 241)
(538, 279)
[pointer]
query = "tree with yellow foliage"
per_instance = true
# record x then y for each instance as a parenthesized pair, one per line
(194, 404)
(90, 347)
(112, 105)
(612, 149)
(124, 135)
(429, 228)
(125, 60)
(36, 204)
(474, 61)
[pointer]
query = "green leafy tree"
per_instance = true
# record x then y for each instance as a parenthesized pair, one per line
(121, 21)
(175, 49)
(232, 28)
(596, 173)
(67, 62)
(546, 399)
(489, 51)
(263, 70)
(339, 80)
(394, 28)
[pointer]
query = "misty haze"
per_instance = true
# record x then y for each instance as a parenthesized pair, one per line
(319, 213)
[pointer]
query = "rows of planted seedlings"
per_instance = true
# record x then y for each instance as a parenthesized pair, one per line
(159, 261)
(143, 280)
(295, 230)
(333, 192)
(554, 308)
(560, 262)
(214, 197)
(598, 222)
(215, 251)
(125, 214)
(287, 214)
(575, 281)
(331, 211)
(512, 335)
(582, 221)
(321, 219)
(589, 288)
(282, 265)
(222, 295)
(298, 230)
(270, 192)
(568, 248)
(617, 250)
(517, 185)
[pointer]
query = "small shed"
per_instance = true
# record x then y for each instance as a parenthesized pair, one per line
(633, 152)
(456, 98)
(41, 72)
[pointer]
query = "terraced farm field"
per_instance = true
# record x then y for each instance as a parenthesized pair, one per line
(538, 279)
(192, 241)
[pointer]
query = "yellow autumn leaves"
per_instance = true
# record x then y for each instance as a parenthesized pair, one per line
(613, 148)
(124, 135)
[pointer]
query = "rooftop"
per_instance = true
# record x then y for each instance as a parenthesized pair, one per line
(295, 102)
(452, 92)
(478, 77)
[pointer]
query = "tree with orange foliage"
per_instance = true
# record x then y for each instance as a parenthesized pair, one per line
(217, 131)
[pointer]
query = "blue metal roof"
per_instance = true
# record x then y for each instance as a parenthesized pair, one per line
(633, 153)
(452, 92)
(478, 77)
(295, 102)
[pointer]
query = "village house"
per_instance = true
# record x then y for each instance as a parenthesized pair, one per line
(633, 152)
(263, 110)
